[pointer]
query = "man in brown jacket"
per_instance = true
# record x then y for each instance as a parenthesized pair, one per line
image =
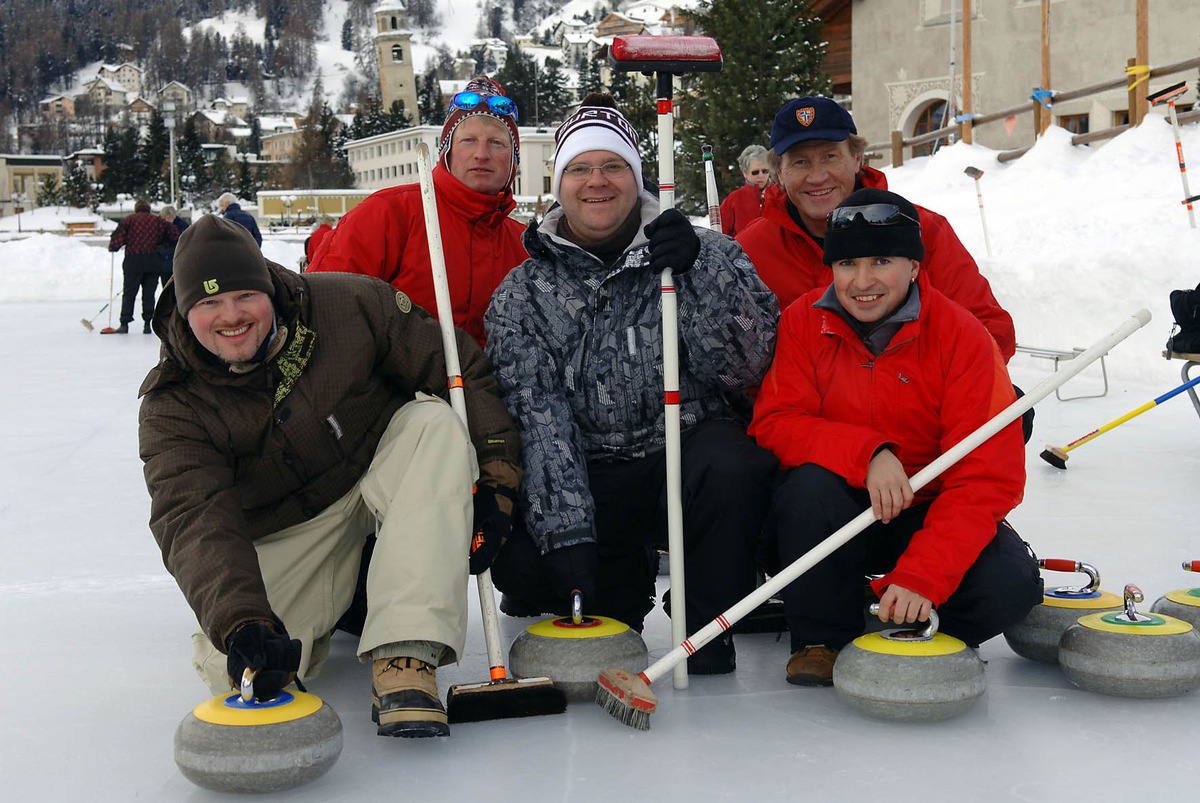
(290, 417)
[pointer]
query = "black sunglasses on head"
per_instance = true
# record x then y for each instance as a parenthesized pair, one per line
(873, 214)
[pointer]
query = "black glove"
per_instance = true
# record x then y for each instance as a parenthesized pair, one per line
(574, 567)
(491, 525)
(674, 243)
(257, 646)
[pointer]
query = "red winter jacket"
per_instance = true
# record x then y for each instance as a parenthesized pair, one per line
(789, 262)
(740, 208)
(313, 243)
(827, 401)
(384, 236)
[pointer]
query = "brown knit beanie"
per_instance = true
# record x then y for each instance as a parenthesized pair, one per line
(216, 255)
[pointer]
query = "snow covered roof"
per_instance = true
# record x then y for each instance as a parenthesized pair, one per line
(270, 124)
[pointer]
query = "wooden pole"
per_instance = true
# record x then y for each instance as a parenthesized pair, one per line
(966, 69)
(1142, 89)
(1045, 118)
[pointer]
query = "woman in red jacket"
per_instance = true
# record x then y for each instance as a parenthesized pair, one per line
(874, 377)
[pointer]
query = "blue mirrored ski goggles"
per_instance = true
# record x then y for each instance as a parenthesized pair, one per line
(497, 103)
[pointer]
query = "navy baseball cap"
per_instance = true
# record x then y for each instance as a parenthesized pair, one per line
(810, 118)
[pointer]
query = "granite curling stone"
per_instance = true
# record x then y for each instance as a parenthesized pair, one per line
(1182, 603)
(909, 675)
(234, 743)
(1036, 636)
(1131, 654)
(572, 651)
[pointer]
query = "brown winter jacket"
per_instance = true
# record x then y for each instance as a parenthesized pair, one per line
(231, 457)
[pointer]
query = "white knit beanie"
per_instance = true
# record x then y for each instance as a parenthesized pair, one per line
(595, 128)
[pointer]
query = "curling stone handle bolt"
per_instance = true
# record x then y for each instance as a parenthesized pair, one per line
(1066, 565)
(248, 676)
(925, 633)
(1191, 565)
(1132, 594)
(576, 606)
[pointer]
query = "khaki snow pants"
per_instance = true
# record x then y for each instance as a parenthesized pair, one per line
(416, 497)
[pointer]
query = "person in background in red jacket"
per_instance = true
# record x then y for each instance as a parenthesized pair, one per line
(874, 377)
(816, 157)
(140, 235)
(385, 235)
(325, 224)
(744, 205)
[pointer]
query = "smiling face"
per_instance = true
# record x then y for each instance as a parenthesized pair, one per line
(817, 176)
(597, 204)
(232, 325)
(481, 154)
(872, 288)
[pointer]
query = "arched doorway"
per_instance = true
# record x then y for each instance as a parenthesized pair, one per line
(930, 118)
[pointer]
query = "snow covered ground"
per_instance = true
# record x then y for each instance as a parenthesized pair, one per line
(96, 649)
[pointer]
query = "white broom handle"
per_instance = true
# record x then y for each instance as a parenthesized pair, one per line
(1187, 193)
(445, 314)
(671, 426)
(918, 481)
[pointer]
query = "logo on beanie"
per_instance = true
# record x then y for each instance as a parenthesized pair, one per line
(806, 115)
(403, 302)
(211, 287)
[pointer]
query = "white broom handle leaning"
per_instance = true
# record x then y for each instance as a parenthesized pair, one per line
(918, 481)
(445, 314)
(671, 426)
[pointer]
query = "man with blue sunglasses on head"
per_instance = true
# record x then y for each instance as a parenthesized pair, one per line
(384, 236)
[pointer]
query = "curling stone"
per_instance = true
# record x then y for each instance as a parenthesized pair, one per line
(1131, 654)
(235, 743)
(572, 650)
(1036, 636)
(909, 674)
(1182, 603)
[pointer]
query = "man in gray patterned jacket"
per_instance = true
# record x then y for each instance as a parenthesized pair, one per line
(575, 336)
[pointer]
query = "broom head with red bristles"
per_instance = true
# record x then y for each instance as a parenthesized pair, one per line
(626, 697)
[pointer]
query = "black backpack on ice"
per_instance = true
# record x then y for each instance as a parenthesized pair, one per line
(1185, 335)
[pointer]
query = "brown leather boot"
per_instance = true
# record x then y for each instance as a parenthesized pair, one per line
(404, 699)
(812, 666)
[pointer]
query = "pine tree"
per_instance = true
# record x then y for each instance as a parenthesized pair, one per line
(77, 190)
(48, 191)
(156, 149)
(553, 96)
(772, 53)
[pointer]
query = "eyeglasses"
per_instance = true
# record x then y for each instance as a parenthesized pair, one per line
(873, 214)
(608, 170)
(757, 172)
(497, 103)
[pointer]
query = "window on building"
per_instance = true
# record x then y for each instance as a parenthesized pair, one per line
(937, 12)
(1120, 117)
(394, 26)
(930, 119)
(1075, 123)
(397, 53)
(546, 184)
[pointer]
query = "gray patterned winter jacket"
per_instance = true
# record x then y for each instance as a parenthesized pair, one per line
(577, 352)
